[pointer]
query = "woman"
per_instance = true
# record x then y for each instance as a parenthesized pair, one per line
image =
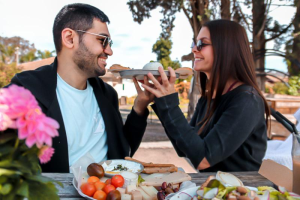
(228, 130)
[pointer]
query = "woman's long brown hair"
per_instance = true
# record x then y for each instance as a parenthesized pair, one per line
(232, 58)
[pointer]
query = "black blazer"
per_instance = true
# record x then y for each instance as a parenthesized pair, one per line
(122, 140)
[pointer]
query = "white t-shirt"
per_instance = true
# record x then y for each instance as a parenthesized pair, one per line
(83, 122)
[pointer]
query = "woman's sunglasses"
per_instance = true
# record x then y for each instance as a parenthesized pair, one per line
(199, 45)
(107, 40)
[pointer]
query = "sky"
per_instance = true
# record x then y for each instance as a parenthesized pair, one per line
(132, 42)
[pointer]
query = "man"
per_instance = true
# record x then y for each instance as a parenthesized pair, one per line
(70, 91)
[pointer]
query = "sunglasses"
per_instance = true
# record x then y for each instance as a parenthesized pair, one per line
(199, 45)
(107, 40)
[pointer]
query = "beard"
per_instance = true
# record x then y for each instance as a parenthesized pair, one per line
(87, 62)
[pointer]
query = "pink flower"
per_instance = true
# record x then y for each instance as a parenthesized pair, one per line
(15, 101)
(37, 128)
(6, 122)
(45, 154)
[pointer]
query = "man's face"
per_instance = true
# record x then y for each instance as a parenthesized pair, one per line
(90, 56)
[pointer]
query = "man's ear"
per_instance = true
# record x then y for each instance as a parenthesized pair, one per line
(68, 38)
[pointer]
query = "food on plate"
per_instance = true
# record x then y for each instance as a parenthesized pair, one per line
(125, 197)
(117, 67)
(95, 169)
(99, 185)
(93, 179)
(100, 195)
(108, 188)
(117, 181)
(173, 178)
(152, 65)
(108, 181)
(130, 188)
(129, 178)
(136, 195)
(150, 168)
(113, 167)
(166, 189)
(216, 189)
(184, 72)
(207, 181)
(113, 195)
(227, 178)
(88, 189)
(121, 190)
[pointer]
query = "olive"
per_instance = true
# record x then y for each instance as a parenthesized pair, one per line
(95, 169)
(114, 195)
(164, 185)
(169, 190)
(160, 196)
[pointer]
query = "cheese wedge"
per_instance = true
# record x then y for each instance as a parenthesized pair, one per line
(136, 195)
(173, 178)
(151, 191)
(130, 188)
(121, 190)
(144, 194)
(125, 197)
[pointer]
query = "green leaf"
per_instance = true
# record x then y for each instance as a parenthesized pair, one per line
(4, 150)
(23, 189)
(43, 179)
(39, 191)
(140, 179)
(6, 188)
(3, 179)
(8, 172)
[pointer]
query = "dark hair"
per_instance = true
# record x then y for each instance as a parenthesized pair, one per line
(232, 58)
(75, 16)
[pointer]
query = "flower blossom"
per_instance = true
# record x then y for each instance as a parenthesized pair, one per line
(45, 154)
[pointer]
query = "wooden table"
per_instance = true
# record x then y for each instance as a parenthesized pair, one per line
(69, 192)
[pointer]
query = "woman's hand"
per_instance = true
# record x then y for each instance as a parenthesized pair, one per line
(143, 98)
(166, 86)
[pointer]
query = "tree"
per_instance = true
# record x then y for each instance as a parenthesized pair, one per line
(8, 46)
(45, 54)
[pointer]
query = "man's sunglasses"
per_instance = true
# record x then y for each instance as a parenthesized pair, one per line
(107, 40)
(199, 45)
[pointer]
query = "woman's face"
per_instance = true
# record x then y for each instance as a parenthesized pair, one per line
(203, 58)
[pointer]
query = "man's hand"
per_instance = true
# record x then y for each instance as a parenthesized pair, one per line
(166, 86)
(144, 97)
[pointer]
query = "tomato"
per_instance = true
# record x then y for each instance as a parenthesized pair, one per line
(117, 181)
(99, 185)
(88, 189)
(108, 188)
(100, 195)
(108, 181)
(93, 179)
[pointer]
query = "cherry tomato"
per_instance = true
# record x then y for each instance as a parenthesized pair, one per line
(100, 195)
(117, 181)
(93, 179)
(99, 185)
(108, 181)
(88, 189)
(108, 188)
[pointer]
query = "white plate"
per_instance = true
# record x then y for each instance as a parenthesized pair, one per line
(140, 73)
(132, 166)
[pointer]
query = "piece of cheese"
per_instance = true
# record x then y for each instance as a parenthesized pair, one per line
(136, 195)
(121, 190)
(173, 178)
(130, 188)
(144, 194)
(151, 191)
(125, 197)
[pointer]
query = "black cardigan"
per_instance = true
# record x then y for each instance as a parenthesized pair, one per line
(122, 140)
(235, 139)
